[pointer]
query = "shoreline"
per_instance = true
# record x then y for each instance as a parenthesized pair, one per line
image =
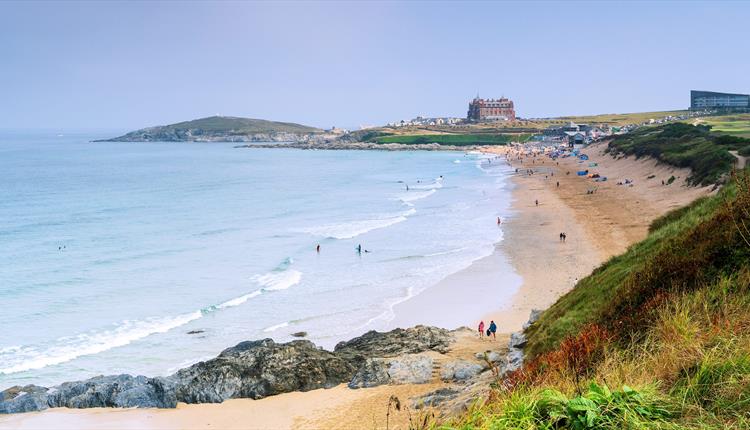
(598, 226)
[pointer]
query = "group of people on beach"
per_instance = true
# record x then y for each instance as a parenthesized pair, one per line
(563, 236)
(491, 330)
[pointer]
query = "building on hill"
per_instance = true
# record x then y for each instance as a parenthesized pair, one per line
(491, 110)
(702, 100)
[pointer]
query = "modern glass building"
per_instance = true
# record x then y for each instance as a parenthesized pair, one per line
(700, 100)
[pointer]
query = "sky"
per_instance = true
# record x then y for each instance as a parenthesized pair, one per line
(128, 65)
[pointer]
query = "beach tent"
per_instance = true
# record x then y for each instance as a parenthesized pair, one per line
(582, 172)
(583, 157)
(593, 164)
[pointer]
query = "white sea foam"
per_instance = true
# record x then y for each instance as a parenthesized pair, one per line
(274, 281)
(417, 195)
(353, 229)
(238, 300)
(275, 327)
(68, 348)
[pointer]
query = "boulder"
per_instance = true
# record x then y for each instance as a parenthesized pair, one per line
(256, 369)
(23, 399)
(517, 340)
(460, 370)
(533, 317)
(123, 391)
(435, 398)
(410, 369)
(393, 343)
(493, 356)
(371, 373)
(515, 360)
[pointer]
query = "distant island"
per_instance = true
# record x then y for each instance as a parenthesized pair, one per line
(226, 129)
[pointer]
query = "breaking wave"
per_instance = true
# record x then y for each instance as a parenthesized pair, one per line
(353, 229)
(16, 359)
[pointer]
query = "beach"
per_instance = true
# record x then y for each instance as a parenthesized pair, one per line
(600, 219)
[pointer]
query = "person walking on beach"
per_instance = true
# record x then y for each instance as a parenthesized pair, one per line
(493, 329)
(481, 329)
(564, 236)
(536, 202)
(498, 221)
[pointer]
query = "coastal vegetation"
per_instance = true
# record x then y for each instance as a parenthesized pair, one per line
(705, 152)
(654, 338)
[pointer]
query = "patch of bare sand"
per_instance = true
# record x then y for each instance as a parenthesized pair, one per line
(601, 219)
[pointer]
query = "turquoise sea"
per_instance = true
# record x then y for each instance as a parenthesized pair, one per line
(143, 258)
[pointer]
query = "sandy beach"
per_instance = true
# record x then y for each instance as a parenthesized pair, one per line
(601, 219)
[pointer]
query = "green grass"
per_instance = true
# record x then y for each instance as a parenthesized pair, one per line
(735, 125)
(670, 317)
(454, 139)
(597, 408)
(683, 145)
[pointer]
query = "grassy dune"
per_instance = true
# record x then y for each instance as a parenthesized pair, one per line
(683, 145)
(656, 338)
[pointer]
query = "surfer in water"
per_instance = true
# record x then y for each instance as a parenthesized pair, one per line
(317, 249)
(359, 249)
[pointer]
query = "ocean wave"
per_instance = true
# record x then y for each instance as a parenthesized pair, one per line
(414, 196)
(275, 327)
(434, 185)
(14, 359)
(352, 229)
(68, 348)
(275, 281)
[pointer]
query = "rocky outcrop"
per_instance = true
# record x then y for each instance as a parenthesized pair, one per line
(435, 398)
(23, 399)
(253, 369)
(261, 368)
(460, 370)
(393, 343)
(121, 391)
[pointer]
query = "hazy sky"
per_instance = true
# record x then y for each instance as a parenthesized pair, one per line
(134, 64)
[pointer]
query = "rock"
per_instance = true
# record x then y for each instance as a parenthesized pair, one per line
(435, 398)
(493, 356)
(515, 360)
(124, 391)
(533, 317)
(395, 342)
(410, 369)
(257, 369)
(23, 399)
(373, 372)
(300, 334)
(517, 340)
(460, 370)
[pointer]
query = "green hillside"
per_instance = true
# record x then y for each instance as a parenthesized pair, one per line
(240, 125)
(217, 128)
(683, 145)
(656, 338)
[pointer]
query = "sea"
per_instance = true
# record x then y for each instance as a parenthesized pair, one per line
(144, 258)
